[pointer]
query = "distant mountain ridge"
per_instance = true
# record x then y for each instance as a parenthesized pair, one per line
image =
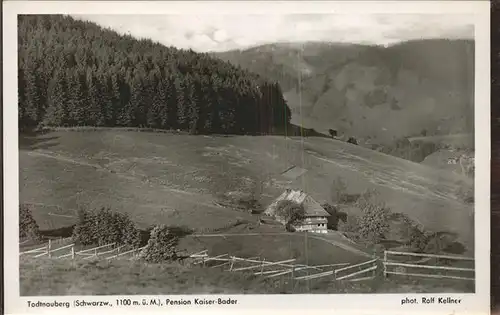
(377, 93)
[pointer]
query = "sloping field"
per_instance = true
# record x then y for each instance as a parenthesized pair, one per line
(59, 277)
(175, 179)
(277, 246)
(439, 159)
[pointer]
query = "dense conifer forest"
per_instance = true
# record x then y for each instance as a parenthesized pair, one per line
(75, 73)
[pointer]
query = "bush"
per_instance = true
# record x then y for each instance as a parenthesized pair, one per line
(438, 242)
(249, 204)
(161, 246)
(104, 227)
(84, 228)
(352, 140)
(290, 212)
(418, 239)
(28, 228)
(350, 227)
(374, 220)
(335, 216)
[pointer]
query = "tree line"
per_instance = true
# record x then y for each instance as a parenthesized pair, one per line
(75, 73)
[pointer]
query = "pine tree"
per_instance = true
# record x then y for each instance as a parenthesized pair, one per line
(21, 98)
(57, 111)
(172, 103)
(181, 89)
(193, 108)
(117, 98)
(157, 114)
(79, 105)
(95, 100)
(107, 103)
(32, 98)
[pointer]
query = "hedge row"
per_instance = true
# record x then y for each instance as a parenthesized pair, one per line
(104, 227)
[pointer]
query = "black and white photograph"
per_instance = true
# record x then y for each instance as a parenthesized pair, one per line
(247, 153)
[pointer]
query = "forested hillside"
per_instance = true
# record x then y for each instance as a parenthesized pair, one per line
(375, 93)
(75, 73)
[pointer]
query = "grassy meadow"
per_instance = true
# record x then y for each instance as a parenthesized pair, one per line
(179, 179)
(100, 278)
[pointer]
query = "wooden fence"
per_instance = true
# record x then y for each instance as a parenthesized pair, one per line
(26, 242)
(107, 251)
(401, 268)
(367, 271)
(337, 272)
(270, 269)
(273, 269)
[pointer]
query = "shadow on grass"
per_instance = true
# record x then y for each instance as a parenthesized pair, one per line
(67, 231)
(297, 131)
(290, 131)
(450, 244)
(31, 140)
(443, 241)
(31, 137)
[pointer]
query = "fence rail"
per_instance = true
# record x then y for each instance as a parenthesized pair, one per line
(388, 263)
(316, 275)
(372, 268)
(387, 252)
(426, 275)
(126, 253)
(95, 248)
(85, 254)
(264, 264)
(33, 250)
(284, 267)
(63, 247)
(359, 272)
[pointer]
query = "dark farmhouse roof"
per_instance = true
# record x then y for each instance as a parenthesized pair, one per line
(312, 208)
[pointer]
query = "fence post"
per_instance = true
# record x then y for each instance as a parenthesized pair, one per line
(232, 263)
(73, 252)
(262, 267)
(385, 266)
(95, 252)
(293, 278)
(49, 247)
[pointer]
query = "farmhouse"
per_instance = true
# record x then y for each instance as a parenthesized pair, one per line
(316, 217)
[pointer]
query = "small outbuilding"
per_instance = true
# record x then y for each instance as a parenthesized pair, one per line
(315, 216)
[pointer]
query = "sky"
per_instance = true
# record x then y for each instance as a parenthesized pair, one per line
(205, 33)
